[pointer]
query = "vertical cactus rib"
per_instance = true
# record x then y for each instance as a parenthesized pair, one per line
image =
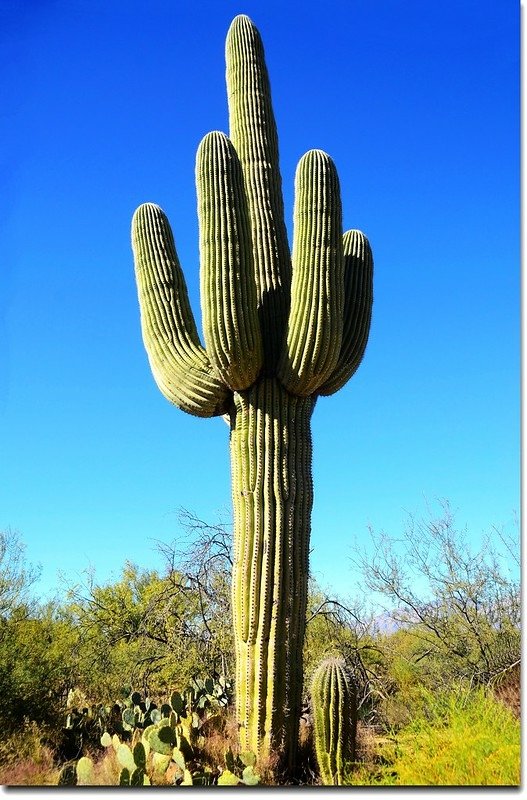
(358, 299)
(253, 134)
(179, 364)
(334, 707)
(228, 289)
(314, 332)
(271, 530)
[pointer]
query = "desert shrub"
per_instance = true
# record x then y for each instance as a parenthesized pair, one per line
(456, 738)
(35, 666)
(35, 644)
(459, 602)
(154, 629)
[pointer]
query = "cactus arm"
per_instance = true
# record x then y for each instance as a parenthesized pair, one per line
(179, 363)
(228, 289)
(358, 299)
(314, 331)
(253, 133)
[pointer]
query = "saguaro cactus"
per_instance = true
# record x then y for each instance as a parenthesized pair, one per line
(334, 707)
(279, 331)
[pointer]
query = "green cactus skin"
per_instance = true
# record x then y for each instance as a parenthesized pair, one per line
(85, 772)
(279, 331)
(334, 707)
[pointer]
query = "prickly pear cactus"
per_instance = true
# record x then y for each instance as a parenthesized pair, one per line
(334, 707)
(280, 329)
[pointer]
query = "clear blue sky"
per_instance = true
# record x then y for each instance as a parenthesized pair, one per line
(104, 105)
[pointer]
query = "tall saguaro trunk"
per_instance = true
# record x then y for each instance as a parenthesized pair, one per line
(272, 498)
(280, 330)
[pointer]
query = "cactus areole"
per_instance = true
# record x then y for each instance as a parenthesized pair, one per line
(280, 329)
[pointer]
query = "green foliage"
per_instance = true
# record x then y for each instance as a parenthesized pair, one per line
(36, 644)
(26, 758)
(157, 630)
(342, 627)
(404, 676)
(16, 575)
(36, 665)
(132, 621)
(457, 738)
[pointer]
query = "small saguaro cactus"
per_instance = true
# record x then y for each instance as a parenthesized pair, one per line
(334, 708)
(280, 329)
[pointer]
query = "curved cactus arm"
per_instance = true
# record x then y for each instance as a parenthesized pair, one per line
(179, 363)
(253, 134)
(228, 289)
(358, 300)
(314, 331)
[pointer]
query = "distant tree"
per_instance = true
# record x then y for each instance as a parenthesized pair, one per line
(155, 630)
(16, 575)
(36, 666)
(35, 643)
(461, 605)
(203, 557)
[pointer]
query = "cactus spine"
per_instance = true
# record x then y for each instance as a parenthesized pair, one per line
(334, 707)
(279, 330)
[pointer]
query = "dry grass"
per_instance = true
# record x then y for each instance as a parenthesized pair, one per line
(31, 773)
(507, 689)
(266, 768)
(220, 732)
(25, 760)
(106, 769)
(367, 739)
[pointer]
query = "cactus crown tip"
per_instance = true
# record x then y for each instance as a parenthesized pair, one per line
(243, 24)
(145, 207)
(316, 156)
(215, 135)
(242, 19)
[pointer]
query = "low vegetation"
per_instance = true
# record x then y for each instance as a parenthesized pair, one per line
(459, 737)
(129, 682)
